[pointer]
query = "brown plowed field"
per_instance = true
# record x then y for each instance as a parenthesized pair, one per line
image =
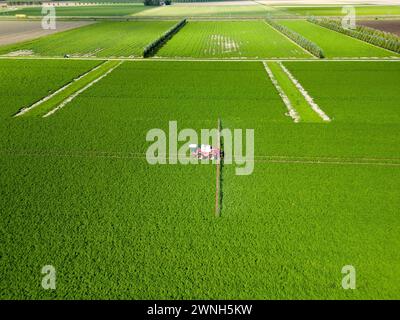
(392, 26)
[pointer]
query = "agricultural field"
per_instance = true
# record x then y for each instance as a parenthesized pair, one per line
(230, 39)
(236, 9)
(81, 192)
(335, 44)
(103, 39)
(194, 10)
(35, 81)
(326, 10)
(92, 209)
(18, 31)
(123, 107)
(392, 26)
(253, 9)
(83, 11)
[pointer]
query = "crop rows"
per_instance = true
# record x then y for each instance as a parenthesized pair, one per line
(299, 39)
(64, 95)
(379, 38)
(335, 44)
(230, 39)
(105, 39)
(155, 45)
(35, 81)
(97, 215)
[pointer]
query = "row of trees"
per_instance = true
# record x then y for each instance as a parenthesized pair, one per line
(378, 38)
(155, 45)
(299, 39)
(156, 2)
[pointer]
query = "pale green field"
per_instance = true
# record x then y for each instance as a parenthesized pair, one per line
(205, 11)
(181, 10)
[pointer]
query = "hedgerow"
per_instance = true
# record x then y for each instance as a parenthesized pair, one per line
(378, 38)
(299, 39)
(155, 45)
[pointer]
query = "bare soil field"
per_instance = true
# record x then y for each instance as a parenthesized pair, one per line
(392, 26)
(17, 31)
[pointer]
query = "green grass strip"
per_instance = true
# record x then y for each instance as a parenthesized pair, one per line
(297, 100)
(71, 88)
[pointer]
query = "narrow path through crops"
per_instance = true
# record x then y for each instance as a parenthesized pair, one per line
(299, 103)
(57, 100)
(284, 159)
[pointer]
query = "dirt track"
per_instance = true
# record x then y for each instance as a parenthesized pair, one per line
(17, 31)
(392, 26)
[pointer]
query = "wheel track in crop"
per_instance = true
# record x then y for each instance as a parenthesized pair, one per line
(390, 162)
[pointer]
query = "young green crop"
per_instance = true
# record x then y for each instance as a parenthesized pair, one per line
(75, 196)
(297, 101)
(73, 87)
(83, 11)
(298, 38)
(335, 44)
(104, 39)
(25, 82)
(386, 40)
(231, 39)
(178, 10)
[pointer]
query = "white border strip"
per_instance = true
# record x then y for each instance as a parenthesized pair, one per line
(73, 96)
(25, 110)
(292, 111)
(305, 94)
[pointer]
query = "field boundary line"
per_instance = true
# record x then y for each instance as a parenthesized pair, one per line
(25, 110)
(305, 94)
(291, 110)
(77, 93)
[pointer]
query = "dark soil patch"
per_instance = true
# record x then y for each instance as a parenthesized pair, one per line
(392, 26)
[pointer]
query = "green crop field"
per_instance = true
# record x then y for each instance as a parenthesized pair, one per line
(34, 81)
(230, 39)
(97, 11)
(335, 44)
(209, 11)
(92, 210)
(104, 39)
(338, 11)
(80, 111)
